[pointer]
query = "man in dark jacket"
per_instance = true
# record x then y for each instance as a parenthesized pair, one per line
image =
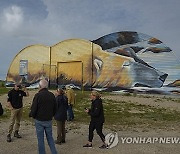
(61, 116)
(42, 110)
(15, 104)
(97, 119)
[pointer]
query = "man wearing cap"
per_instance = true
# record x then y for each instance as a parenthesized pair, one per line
(15, 104)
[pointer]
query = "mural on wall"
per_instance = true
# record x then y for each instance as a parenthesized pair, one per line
(29, 66)
(118, 61)
(149, 52)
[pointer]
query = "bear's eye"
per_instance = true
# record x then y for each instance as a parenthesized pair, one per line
(126, 63)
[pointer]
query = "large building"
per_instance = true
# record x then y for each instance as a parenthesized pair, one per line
(121, 60)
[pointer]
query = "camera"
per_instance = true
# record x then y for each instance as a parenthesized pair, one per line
(19, 86)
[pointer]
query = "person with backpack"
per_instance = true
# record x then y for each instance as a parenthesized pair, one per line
(71, 102)
(61, 116)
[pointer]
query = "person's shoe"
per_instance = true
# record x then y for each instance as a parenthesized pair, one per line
(16, 134)
(57, 142)
(103, 146)
(8, 138)
(63, 141)
(87, 146)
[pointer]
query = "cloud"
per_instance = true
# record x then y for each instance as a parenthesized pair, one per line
(49, 22)
(12, 18)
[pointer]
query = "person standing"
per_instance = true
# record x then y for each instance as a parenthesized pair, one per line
(1, 109)
(97, 119)
(15, 104)
(71, 102)
(42, 110)
(61, 116)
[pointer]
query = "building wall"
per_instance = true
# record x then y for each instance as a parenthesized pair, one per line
(69, 52)
(37, 55)
(113, 62)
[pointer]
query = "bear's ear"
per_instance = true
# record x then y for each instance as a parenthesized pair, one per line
(98, 65)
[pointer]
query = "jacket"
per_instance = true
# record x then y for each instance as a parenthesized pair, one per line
(62, 106)
(44, 105)
(15, 97)
(96, 112)
(71, 96)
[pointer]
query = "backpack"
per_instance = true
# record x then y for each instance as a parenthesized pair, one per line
(1, 110)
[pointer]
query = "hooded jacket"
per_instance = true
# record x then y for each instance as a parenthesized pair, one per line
(96, 112)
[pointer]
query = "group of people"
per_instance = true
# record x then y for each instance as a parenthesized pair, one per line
(45, 106)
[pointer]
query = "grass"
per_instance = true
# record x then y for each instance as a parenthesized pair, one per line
(3, 90)
(120, 114)
(156, 98)
(173, 100)
(127, 114)
(2, 83)
(130, 115)
(167, 99)
(6, 115)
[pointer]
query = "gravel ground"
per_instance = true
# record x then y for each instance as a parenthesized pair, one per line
(75, 139)
(77, 134)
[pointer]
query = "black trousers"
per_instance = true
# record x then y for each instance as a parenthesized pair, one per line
(98, 126)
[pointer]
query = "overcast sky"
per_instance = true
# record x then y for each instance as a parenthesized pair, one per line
(27, 22)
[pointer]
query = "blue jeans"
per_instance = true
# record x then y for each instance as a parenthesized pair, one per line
(41, 127)
(70, 113)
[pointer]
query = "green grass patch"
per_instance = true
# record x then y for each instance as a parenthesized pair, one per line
(5, 115)
(3, 90)
(2, 83)
(177, 100)
(127, 114)
(131, 115)
(120, 114)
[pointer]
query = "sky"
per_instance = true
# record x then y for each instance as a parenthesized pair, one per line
(29, 22)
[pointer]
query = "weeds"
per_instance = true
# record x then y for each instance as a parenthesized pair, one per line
(3, 90)
(119, 114)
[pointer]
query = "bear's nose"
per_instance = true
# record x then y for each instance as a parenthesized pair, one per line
(163, 77)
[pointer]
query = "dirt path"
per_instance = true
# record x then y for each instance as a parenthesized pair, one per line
(77, 134)
(159, 102)
(76, 137)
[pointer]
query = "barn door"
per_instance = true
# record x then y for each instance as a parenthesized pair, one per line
(70, 73)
